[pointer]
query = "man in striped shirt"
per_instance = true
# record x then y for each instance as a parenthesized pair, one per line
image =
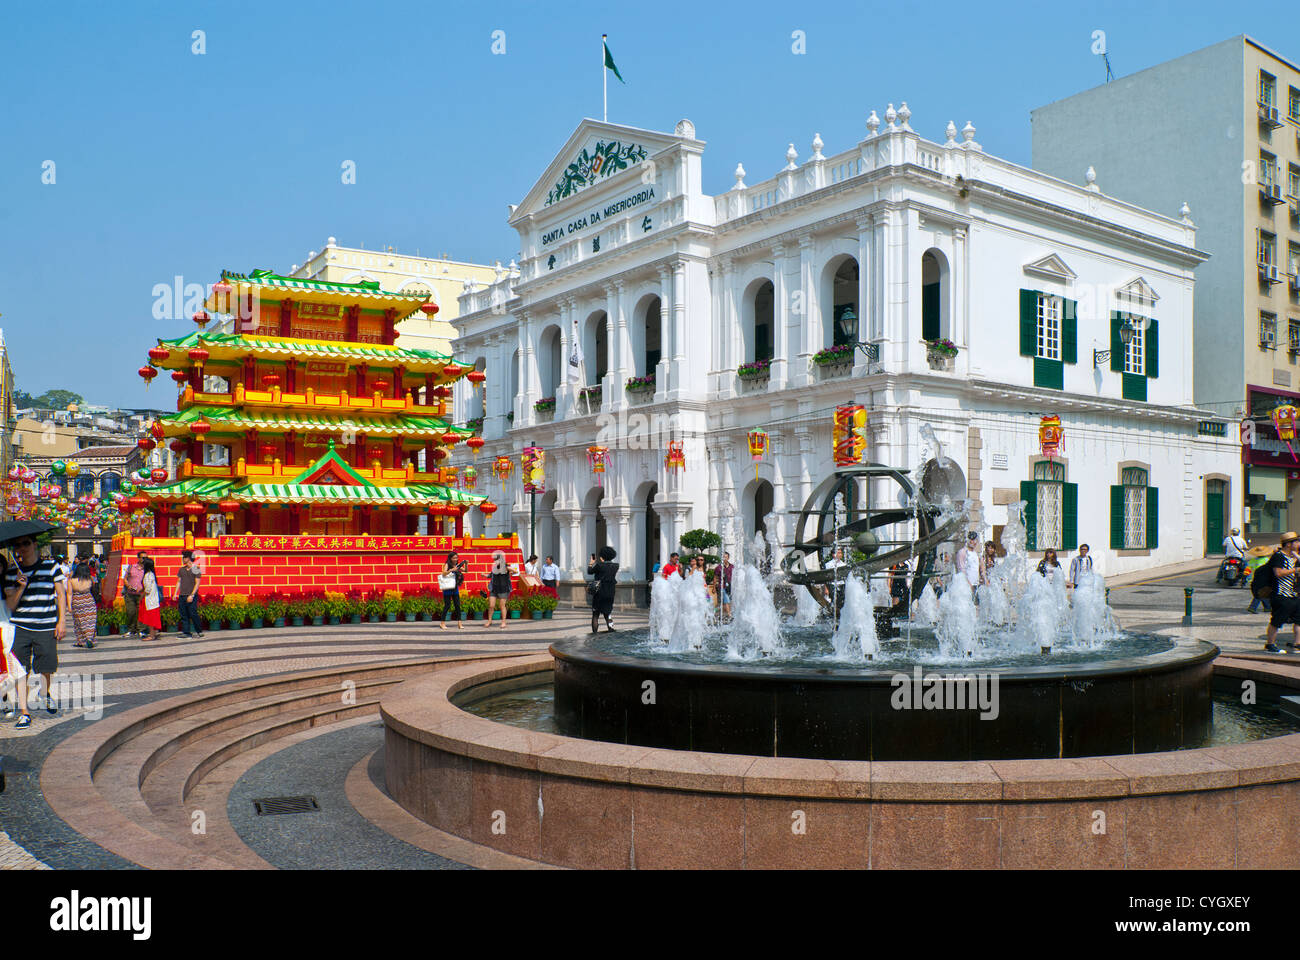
(33, 591)
(1286, 606)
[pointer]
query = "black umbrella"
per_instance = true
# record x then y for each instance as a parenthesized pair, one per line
(12, 530)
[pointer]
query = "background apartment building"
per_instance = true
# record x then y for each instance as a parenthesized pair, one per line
(1218, 129)
(443, 279)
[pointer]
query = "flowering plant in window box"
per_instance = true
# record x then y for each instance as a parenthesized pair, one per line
(640, 383)
(475, 424)
(546, 403)
(755, 370)
(592, 392)
(941, 348)
(834, 356)
(510, 416)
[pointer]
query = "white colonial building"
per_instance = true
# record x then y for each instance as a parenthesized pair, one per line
(890, 244)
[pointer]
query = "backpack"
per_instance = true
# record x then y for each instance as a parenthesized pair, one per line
(1264, 583)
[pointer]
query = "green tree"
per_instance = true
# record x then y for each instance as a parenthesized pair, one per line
(58, 399)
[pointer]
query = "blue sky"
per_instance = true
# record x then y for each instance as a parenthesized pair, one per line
(168, 163)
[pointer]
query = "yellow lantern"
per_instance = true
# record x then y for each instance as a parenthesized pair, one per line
(598, 460)
(848, 438)
(757, 446)
(1284, 418)
(676, 459)
(1051, 436)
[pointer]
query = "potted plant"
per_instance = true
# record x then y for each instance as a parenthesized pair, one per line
(297, 610)
(474, 606)
(372, 607)
(256, 612)
(355, 606)
(236, 610)
(212, 613)
(391, 604)
(544, 405)
(276, 608)
(336, 605)
(515, 606)
(410, 607)
(475, 424)
(171, 618)
(755, 370)
(107, 620)
(549, 601)
(640, 384)
(314, 607)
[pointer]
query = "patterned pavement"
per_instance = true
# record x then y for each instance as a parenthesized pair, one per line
(122, 673)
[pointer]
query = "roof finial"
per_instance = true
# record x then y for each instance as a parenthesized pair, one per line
(873, 124)
(740, 177)
(904, 115)
(1185, 213)
(1091, 177)
(790, 155)
(890, 116)
(817, 147)
(951, 133)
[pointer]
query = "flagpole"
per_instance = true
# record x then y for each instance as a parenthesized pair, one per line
(604, 78)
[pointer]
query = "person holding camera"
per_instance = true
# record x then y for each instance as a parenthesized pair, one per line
(449, 581)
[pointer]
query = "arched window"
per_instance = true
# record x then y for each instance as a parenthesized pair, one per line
(652, 337)
(549, 361)
(595, 347)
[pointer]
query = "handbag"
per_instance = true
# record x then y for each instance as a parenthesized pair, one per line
(447, 581)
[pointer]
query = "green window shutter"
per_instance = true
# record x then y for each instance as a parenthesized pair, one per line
(1153, 350)
(1049, 373)
(1116, 344)
(1117, 517)
(1070, 331)
(1028, 323)
(1153, 518)
(1069, 516)
(1135, 386)
(1029, 494)
(930, 307)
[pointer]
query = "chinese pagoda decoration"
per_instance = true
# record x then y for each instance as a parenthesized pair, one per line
(676, 458)
(1051, 436)
(1284, 418)
(757, 447)
(598, 460)
(320, 422)
(502, 467)
(533, 469)
(848, 437)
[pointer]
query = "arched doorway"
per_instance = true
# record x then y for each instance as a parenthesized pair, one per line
(758, 501)
(548, 528)
(593, 523)
(934, 296)
(646, 537)
(841, 313)
(548, 360)
(759, 320)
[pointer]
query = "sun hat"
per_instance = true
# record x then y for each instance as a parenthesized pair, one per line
(1289, 536)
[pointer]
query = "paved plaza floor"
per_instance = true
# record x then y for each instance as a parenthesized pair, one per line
(341, 764)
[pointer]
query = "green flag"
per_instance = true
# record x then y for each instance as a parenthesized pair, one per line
(609, 63)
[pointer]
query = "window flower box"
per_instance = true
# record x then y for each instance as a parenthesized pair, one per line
(545, 405)
(834, 356)
(756, 370)
(510, 416)
(476, 424)
(640, 384)
(592, 392)
(943, 348)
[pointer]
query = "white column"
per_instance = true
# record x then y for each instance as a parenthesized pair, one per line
(726, 325)
(618, 526)
(622, 364)
(665, 333)
(570, 559)
(780, 319)
(861, 363)
(566, 392)
(809, 337)
(679, 377)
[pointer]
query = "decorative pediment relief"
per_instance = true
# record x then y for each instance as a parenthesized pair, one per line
(1138, 291)
(1051, 267)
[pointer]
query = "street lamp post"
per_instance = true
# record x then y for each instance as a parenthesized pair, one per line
(847, 327)
(1103, 356)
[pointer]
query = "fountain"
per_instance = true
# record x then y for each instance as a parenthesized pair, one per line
(825, 677)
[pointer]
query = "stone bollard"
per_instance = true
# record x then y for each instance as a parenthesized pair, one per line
(1187, 606)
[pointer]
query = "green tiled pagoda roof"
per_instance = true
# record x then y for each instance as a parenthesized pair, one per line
(239, 420)
(301, 348)
(365, 288)
(213, 490)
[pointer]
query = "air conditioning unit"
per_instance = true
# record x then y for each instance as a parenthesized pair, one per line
(1269, 115)
(1268, 272)
(1271, 192)
(1293, 280)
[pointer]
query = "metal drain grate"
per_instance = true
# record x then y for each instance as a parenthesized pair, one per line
(273, 805)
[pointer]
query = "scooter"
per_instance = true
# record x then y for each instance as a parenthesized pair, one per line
(1232, 572)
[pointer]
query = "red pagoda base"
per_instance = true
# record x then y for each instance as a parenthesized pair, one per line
(254, 565)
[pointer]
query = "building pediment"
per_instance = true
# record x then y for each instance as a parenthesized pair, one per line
(1051, 267)
(1138, 291)
(595, 154)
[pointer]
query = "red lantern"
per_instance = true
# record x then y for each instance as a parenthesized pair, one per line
(138, 502)
(502, 467)
(124, 507)
(229, 508)
(442, 393)
(221, 288)
(379, 386)
(156, 430)
(440, 454)
(147, 373)
(476, 377)
(271, 381)
(178, 446)
(198, 356)
(452, 370)
(195, 510)
(449, 438)
(158, 475)
(1051, 436)
(268, 451)
(159, 354)
(200, 427)
(429, 308)
(487, 508)
(474, 443)
(201, 318)
(180, 376)
(145, 444)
